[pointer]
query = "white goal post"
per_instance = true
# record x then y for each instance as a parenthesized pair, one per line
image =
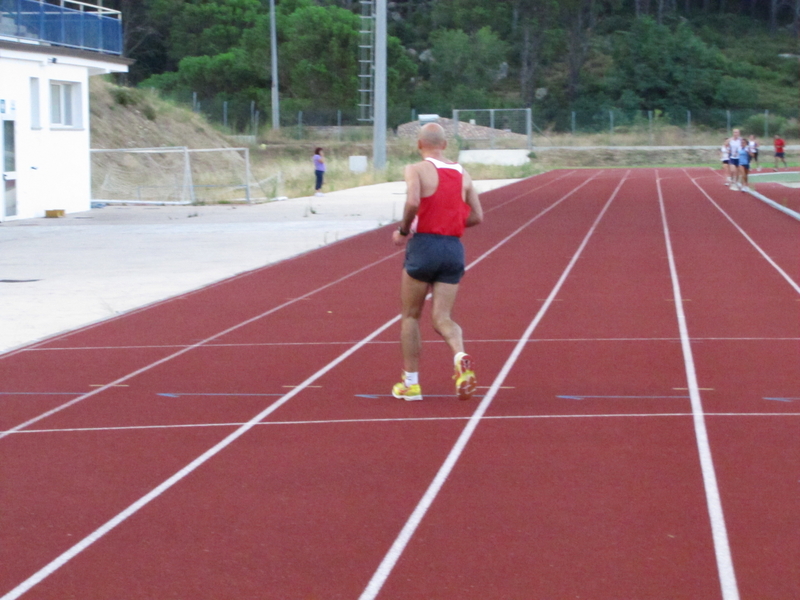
(177, 175)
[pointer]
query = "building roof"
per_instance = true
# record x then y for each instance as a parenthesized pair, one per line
(56, 51)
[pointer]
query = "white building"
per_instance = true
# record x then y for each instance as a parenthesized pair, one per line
(48, 51)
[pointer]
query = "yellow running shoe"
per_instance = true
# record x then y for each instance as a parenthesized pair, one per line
(402, 391)
(466, 382)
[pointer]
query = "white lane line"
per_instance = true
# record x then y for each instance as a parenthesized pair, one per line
(531, 190)
(168, 358)
(395, 342)
(185, 349)
(399, 420)
(61, 560)
(784, 209)
(64, 558)
(524, 225)
(270, 311)
(396, 550)
(727, 575)
(766, 256)
(37, 345)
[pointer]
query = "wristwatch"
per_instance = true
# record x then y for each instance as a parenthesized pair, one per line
(401, 232)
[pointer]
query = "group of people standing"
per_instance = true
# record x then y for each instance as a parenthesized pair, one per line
(737, 155)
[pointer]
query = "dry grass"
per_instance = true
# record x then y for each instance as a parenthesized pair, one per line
(297, 174)
(132, 118)
(624, 136)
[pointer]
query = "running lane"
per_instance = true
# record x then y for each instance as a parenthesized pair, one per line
(744, 319)
(583, 479)
(774, 231)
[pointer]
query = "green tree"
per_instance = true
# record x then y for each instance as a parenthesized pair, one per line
(228, 74)
(209, 27)
(660, 68)
(735, 92)
(465, 66)
(400, 73)
(318, 55)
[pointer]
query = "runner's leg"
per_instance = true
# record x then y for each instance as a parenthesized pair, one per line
(412, 296)
(444, 298)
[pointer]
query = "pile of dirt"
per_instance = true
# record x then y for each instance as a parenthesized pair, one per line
(466, 131)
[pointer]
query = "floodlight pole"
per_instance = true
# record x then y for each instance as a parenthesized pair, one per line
(379, 112)
(276, 111)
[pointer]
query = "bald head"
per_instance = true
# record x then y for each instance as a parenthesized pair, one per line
(431, 136)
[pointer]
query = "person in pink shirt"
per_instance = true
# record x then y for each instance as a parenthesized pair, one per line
(319, 171)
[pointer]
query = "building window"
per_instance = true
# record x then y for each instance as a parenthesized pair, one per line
(36, 120)
(65, 104)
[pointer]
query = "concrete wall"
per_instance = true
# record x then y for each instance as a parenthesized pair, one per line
(495, 157)
(52, 160)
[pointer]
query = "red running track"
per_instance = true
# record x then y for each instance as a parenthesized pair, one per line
(637, 337)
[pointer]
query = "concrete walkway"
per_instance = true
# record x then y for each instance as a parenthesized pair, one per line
(60, 274)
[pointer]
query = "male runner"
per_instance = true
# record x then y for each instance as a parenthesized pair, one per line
(441, 194)
(780, 145)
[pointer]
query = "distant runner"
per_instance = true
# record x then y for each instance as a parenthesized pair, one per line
(441, 195)
(744, 165)
(779, 154)
(753, 147)
(735, 144)
(725, 156)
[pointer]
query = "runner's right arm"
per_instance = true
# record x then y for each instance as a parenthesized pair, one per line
(473, 200)
(413, 197)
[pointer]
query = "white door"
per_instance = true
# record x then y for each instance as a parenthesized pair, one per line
(8, 185)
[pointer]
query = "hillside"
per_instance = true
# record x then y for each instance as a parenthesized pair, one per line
(571, 62)
(125, 117)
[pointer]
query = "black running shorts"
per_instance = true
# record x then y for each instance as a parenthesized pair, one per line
(435, 258)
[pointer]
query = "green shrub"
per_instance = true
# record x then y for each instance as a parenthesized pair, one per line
(125, 96)
(149, 112)
(755, 124)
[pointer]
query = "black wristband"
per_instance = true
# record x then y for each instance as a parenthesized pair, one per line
(401, 232)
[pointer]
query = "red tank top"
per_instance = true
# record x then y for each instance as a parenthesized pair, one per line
(444, 212)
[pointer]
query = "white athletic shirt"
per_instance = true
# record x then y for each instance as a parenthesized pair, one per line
(725, 152)
(753, 146)
(735, 144)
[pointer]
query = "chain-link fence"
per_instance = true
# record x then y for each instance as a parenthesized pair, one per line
(679, 126)
(509, 127)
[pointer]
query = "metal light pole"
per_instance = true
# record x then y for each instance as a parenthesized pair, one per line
(276, 111)
(379, 113)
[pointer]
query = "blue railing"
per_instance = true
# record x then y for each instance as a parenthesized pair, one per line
(70, 24)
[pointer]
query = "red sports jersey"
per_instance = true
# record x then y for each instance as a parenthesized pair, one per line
(779, 143)
(444, 212)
